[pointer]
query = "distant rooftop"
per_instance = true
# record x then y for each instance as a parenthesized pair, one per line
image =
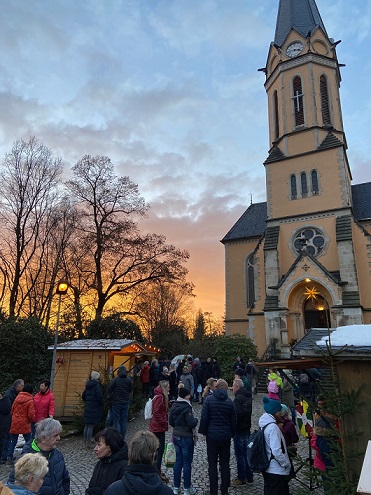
(90, 344)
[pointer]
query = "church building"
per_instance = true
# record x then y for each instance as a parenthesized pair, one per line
(302, 259)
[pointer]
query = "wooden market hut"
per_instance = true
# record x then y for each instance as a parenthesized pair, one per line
(76, 359)
(352, 365)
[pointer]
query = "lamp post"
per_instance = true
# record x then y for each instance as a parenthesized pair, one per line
(62, 288)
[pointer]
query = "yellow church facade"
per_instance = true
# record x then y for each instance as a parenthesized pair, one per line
(301, 259)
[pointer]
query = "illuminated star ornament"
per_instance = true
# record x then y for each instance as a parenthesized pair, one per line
(312, 293)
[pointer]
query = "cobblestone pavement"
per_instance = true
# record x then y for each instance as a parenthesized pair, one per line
(81, 461)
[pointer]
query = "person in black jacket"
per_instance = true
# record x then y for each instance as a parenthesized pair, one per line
(243, 407)
(141, 475)
(47, 435)
(181, 418)
(119, 392)
(5, 420)
(154, 377)
(93, 410)
(11, 395)
(112, 452)
(218, 424)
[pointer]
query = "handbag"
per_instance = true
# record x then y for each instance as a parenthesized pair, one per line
(169, 454)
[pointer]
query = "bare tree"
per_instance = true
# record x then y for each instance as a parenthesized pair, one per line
(164, 306)
(28, 183)
(117, 258)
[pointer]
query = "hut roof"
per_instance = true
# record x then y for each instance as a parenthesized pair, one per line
(100, 344)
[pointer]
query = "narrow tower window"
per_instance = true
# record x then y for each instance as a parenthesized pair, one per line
(314, 178)
(326, 119)
(276, 116)
(298, 101)
(294, 191)
(250, 285)
(304, 185)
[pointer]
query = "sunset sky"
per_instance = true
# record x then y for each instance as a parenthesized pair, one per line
(169, 90)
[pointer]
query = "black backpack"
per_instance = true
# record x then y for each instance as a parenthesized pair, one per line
(256, 451)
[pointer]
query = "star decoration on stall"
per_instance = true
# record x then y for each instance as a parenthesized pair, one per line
(312, 293)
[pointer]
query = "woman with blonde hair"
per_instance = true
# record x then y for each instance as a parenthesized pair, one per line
(159, 421)
(209, 388)
(29, 473)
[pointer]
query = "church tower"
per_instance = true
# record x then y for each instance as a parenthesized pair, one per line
(302, 259)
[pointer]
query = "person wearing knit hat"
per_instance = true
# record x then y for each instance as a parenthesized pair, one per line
(289, 431)
(93, 409)
(276, 476)
(218, 423)
(182, 419)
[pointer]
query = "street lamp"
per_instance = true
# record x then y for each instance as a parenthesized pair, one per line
(62, 288)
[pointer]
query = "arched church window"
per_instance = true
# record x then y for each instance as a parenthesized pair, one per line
(276, 116)
(309, 239)
(297, 97)
(314, 180)
(294, 192)
(250, 282)
(325, 106)
(304, 185)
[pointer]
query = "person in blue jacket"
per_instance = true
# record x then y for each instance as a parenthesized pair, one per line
(93, 410)
(47, 435)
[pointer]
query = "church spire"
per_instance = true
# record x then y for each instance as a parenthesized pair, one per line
(302, 15)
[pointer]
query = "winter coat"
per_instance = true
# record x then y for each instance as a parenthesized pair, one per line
(154, 373)
(139, 479)
(93, 398)
(287, 394)
(181, 418)
(107, 471)
(159, 420)
(18, 489)
(11, 393)
(120, 388)
(144, 374)
(250, 370)
(243, 407)
(274, 440)
(57, 479)
(23, 412)
(44, 405)
(216, 370)
(5, 416)
(289, 431)
(218, 417)
(173, 380)
(188, 381)
(317, 461)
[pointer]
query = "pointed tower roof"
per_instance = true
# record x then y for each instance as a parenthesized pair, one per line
(302, 15)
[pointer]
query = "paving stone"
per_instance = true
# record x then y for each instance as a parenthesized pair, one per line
(81, 461)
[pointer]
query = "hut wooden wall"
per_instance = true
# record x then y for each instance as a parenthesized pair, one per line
(352, 375)
(71, 377)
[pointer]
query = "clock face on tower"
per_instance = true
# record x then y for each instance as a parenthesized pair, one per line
(294, 49)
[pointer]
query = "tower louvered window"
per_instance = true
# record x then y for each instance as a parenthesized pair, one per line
(326, 118)
(314, 179)
(304, 184)
(298, 101)
(250, 285)
(276, 116)
(294, 191)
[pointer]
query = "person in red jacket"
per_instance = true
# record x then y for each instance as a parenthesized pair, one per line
(159, 421)
(144, 379)
(44, 404)
(23, 413)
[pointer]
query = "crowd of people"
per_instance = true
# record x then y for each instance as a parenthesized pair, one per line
(174, 388)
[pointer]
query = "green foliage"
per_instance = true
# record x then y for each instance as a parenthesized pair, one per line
(170, 340)
(200, 328)
(24, 351)
(113, 327)
(228, 347)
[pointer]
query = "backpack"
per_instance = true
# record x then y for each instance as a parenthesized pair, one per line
(148, 409)
(256, 451)
(273, 387)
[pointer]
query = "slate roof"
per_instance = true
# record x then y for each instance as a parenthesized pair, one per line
(89, 344)
(250, 224)
(307, 346)
(302, 15)
(361, 194)
(253, 222)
